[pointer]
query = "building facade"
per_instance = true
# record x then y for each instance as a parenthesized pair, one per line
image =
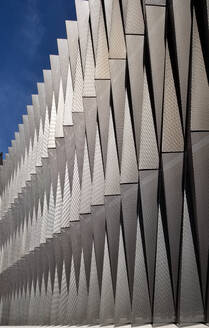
(104, 196)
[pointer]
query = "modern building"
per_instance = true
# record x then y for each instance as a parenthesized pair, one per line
(104, 193)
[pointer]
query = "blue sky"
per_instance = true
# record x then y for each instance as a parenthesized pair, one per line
(28, 33)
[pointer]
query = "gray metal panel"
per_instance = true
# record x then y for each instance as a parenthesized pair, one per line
(64, 61)
(117, 70)
(86, 188)
(98, 175)
(67, 120)
(148, 154)
(98, 221)
(113, 209)
(112, 175)
(72, 36)
(82, 11)
(89, 68)
(163, 297)
(52, 125)
(78, 86)
(100, 42)
(117, 48)
(36, 111)
(69, 150)
(190, 305)
(90, 108)
(129, 168)
(75, 238)
(95, 16)
(61, 161)
(55, 69)
(199, 86)
(135, 50)
(200, 153)
(86, 240)
(182, 23)
(133, 17)
(79, 132)
(155, 26)
(155, 2)
(129, 197)
(48, 89)
(59, 133)
(172, 137)
(75, 200)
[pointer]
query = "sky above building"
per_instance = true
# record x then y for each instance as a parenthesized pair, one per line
(28, 32)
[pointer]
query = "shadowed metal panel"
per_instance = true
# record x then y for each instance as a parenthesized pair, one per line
(93, 304)
(135, 50)
(86, 231)
(107, 299)
(148, 190)
(81, 307)
(190, 305)
(63, 299)
(163, 297)
(141, 310)
(173, 177)
(103, 102)
(122, 293)
(72, 297)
